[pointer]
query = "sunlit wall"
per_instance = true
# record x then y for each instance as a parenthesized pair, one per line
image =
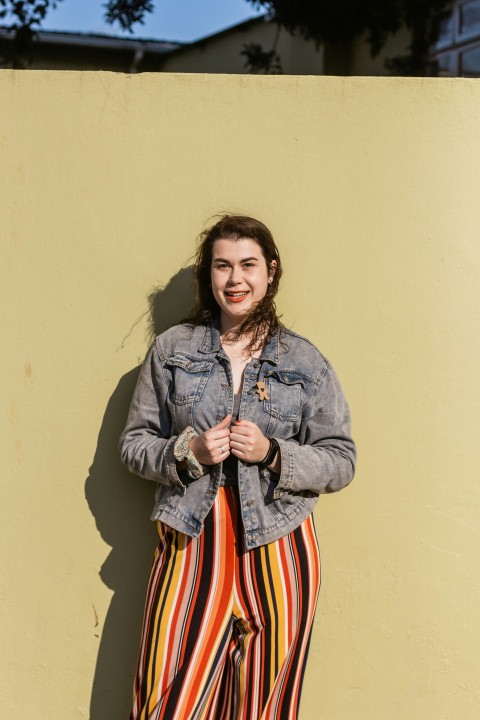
(371, 189)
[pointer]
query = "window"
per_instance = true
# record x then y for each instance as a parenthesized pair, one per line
(457, 50)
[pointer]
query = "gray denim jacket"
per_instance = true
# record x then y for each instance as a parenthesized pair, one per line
(186, 379)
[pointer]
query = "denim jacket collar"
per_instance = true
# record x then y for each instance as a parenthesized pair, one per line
(211, 344)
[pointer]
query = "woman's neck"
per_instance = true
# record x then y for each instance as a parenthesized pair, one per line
(240, 344)
(228, 326)
(240, 354)
(233, 342)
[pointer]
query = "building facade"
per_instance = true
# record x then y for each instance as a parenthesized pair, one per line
(238, 48)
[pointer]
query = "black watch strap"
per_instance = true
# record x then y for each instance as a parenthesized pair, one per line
(272, 451)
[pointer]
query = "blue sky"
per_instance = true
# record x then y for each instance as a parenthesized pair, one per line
(182, 20)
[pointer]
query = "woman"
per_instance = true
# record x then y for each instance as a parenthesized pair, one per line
(242, 423)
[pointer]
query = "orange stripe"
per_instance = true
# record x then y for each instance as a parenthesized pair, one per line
(280, 586)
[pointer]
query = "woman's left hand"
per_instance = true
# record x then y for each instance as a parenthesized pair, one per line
(248, 442)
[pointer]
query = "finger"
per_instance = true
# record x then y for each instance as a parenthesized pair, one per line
(241, 433)
(222, 452)
(250, 428)
(223, 423)
(213, 446)
(244, 448)
(215, 435)
(237, 446)
(244, 423)
(224, 443)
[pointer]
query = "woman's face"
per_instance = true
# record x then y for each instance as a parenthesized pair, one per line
(240, 278)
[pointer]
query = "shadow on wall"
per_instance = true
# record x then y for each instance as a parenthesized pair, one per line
(121, 504)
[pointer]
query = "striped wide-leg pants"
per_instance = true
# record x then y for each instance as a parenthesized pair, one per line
(226, 631)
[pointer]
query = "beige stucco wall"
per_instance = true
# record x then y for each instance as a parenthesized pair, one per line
(371, 188)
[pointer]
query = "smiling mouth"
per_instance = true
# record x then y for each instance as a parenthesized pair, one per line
(236, 296)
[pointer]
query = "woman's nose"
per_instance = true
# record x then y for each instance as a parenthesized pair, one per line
(236, 275)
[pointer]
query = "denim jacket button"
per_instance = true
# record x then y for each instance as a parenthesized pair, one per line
(250, 503)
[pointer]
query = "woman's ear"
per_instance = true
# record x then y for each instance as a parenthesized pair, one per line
(272, 270)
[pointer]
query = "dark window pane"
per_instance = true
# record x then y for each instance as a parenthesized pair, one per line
(443, 65)
(445, 33)
(470, 17)
(470, 62)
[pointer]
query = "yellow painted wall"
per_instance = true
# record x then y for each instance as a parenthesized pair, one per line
(371, 188)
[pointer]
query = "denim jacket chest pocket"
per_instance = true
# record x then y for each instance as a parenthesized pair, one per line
(284, 390)
(189, 378)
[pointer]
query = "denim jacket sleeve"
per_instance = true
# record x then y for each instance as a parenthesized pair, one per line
(146, 444)
(321, 458)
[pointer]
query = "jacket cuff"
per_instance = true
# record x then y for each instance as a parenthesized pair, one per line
(171, 466)
(285, 479)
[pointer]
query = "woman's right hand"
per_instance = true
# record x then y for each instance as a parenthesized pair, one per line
(213, 446)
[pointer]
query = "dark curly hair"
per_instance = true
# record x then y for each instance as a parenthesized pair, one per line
(262, 322)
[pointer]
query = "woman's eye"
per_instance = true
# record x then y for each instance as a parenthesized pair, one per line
(249, 265)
